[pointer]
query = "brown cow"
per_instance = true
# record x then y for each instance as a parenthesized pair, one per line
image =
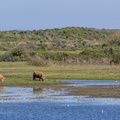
(1, 78)
(38, 74)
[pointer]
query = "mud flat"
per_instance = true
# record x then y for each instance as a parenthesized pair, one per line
(111, 90)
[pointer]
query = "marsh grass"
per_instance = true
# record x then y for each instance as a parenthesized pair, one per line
(21, 72)
(29, 81)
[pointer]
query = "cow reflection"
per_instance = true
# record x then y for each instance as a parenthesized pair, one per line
(1, 89)
(38, 90)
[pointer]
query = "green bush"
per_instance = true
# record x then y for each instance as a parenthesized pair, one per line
(93, 53)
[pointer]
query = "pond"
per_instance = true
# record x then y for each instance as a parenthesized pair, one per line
(18, 103)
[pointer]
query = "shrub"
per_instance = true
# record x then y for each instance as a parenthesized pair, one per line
(93, 53)
(37, 61)
(116, 58)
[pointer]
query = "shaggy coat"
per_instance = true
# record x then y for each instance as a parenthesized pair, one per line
(38, 74)
(1, 78)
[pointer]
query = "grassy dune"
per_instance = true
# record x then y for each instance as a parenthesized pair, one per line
(16, 72)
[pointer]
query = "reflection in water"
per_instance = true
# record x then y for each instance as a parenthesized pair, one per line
(38, 90)
(1, 89)
(19, 94)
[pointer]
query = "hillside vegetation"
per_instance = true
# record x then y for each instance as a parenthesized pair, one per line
(70, 45)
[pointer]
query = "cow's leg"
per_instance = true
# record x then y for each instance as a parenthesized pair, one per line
(40, 78)
(33, 77)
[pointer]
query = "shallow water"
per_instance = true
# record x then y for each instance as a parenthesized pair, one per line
(92, 82)
(17, 103)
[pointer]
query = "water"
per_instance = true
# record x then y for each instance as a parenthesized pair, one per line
(91, 82)
(47, 104)
(58, 111)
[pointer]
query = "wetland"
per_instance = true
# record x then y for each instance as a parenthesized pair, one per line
(49, 102)
(70, 92)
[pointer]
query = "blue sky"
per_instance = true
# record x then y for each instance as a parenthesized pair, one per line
(48, 14)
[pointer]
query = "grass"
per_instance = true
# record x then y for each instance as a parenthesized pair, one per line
(2, 52)
(29, 81)
(21, 72)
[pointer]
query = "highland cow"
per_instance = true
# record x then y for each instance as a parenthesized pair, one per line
(1, 78)
(38, 74)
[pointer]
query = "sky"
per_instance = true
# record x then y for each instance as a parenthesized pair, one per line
(49, 14)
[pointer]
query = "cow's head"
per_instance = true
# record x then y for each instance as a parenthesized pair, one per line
(2, 79)
(43, 78)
